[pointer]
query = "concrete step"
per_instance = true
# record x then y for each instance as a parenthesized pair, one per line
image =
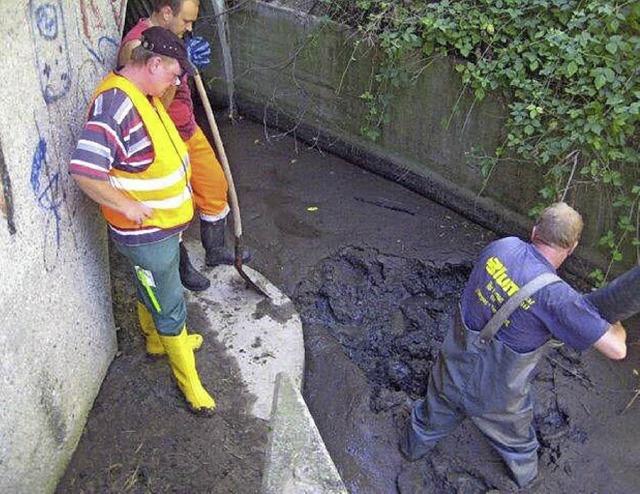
(265, 336)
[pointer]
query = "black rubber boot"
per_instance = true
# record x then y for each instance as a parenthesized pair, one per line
(212, 236)
(190, 277)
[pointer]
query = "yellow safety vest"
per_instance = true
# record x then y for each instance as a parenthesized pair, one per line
(164, 185)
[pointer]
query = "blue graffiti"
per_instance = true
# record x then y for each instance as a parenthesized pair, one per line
(47, 21)
(49, 195)
(50, 48)
(103, 42)
(39, 157)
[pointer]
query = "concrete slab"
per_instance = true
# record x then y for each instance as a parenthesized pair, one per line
(297, 460)
(264, 335)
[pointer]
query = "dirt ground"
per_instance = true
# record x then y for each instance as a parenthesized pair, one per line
(375, 272)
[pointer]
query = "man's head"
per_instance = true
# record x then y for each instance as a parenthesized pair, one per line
(164, 57)
(559, 227)
(176, 15)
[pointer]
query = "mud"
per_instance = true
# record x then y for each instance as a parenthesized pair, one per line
(384, 318)
(389, 313)
(140, 437)
(375, 272)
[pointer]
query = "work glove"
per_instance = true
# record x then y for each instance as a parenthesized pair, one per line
(199, 51)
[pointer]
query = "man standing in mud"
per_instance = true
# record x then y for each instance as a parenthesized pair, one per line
(208, 181)
(512, 305)
(130, 160)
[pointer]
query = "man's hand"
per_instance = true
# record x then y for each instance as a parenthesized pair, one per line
(199, 51)
(137, 212)
(105, 194)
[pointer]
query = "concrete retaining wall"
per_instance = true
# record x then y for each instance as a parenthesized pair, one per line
(57, 336)
(297, 461)
(306, 76)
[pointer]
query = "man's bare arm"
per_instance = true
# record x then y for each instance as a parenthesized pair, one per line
(613, 343)
(102, 192)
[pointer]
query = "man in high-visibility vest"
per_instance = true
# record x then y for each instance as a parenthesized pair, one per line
(208, 181)
(131, 160)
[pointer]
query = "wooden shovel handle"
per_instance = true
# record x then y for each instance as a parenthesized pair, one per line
(233, 197)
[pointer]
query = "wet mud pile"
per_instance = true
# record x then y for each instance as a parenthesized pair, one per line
(389, 313)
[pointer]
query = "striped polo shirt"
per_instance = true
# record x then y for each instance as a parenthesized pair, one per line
(114, 136)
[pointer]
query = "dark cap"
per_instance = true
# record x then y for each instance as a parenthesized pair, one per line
(161, 41)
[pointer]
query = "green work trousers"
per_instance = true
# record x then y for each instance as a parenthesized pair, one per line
(157, 281)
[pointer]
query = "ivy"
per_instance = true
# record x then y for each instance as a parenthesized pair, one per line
(568, 68)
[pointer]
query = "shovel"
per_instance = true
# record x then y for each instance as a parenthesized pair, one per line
(233, 198)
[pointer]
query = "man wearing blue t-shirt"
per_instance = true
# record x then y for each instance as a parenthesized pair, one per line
(486, 375)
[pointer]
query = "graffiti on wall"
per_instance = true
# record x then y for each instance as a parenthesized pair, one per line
(118, 8)
(49, 37)
(50, 48)
(100, 49)
(47, 188)
(92, 20)
(66, 82)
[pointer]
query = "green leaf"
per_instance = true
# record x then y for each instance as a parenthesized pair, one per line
(572, 68)
(609, 74)
(598, 276)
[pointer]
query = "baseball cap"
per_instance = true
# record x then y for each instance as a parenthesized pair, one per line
(161, 41)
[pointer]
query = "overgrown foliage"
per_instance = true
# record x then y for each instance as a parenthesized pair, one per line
(568, 68)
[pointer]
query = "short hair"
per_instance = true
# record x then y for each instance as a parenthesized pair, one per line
(140, 56)
(175, 5)
(559, 226)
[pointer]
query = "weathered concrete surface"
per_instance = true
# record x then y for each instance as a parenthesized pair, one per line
(297, 460)
(264, 335)
(57, 336)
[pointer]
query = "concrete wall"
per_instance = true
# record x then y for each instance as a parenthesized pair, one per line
(306, 76)
(57, 336)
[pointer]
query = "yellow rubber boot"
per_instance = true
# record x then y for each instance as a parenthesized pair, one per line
(154, 345)
(183, 365)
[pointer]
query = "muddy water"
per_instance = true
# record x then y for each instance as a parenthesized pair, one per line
(375, 272)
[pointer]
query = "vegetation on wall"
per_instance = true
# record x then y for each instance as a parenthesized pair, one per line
(568, 68)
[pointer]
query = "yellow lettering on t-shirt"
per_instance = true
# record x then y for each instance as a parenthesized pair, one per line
(481, 297)
(499, 278)
(498, 272)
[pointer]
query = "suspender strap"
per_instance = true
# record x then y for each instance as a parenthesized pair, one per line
(492, 327)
